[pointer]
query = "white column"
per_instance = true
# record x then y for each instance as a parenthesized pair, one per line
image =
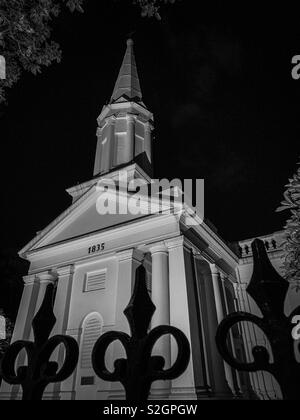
(61, 309)
(147, 139)
(62, 298)
(183, 387)
(160, 285)
(26, 309)
(220, 315)
(223, 279)
(217, 292)
(217, 369)
(22, 329)
(129, 148)
(161, 299)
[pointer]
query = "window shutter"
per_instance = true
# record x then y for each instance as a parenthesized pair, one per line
(91, 333)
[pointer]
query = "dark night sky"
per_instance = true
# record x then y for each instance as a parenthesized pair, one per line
(218, 80)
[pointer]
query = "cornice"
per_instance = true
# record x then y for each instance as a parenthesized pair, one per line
(128, 107)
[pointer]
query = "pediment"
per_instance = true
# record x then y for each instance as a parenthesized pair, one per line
(81, 218)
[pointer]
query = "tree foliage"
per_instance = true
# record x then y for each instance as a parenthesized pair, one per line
(9, 328)
(25, 36)
(25, 33)
(291, 244)
(150, 8)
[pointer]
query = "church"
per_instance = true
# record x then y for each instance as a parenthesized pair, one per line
(194, 278)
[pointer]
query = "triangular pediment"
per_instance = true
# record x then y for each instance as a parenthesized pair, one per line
(84, 217)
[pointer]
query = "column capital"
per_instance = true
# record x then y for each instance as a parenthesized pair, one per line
(158, 248)
(47, 277)
(214, 269)
(223, 276)
(29, 279)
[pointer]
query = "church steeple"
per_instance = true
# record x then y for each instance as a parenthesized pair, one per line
(125, 124)
(127, 86)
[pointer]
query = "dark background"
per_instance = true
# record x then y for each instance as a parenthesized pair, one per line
(217, 77)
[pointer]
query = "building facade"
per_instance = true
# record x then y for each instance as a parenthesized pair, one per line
(193, 276)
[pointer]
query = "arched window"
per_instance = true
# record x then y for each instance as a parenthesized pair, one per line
(92, 329)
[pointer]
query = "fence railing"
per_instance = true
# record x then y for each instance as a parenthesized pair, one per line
(268, 289)
(136, 372)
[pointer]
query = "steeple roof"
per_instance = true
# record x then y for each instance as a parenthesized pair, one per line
(127, 87)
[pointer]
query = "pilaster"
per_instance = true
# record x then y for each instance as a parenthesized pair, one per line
(184, 386)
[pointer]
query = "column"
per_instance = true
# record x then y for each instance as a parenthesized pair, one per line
(62, 299)
(26, 309)
(44, 279)
(65, 390)
(223, 280)
(218, 292)
(22, 329)
(129, 147)
(183, 387)
(147, 139)
(161, 299)
(213, 307)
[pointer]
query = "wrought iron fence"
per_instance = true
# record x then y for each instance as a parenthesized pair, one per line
(268, 289)
(136, 373)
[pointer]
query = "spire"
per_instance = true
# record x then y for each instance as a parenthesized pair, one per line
(125, 124)
(127, 85)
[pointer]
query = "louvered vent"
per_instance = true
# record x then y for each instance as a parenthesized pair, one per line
(91, 333)
(95, 281)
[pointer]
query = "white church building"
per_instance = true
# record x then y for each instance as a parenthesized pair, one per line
(194, 278)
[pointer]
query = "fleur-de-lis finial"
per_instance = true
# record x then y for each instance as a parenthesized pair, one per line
(140, 368)
(139, 304)
(40, 371)
(268, 289)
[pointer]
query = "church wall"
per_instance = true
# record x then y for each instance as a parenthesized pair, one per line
(101, 300)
